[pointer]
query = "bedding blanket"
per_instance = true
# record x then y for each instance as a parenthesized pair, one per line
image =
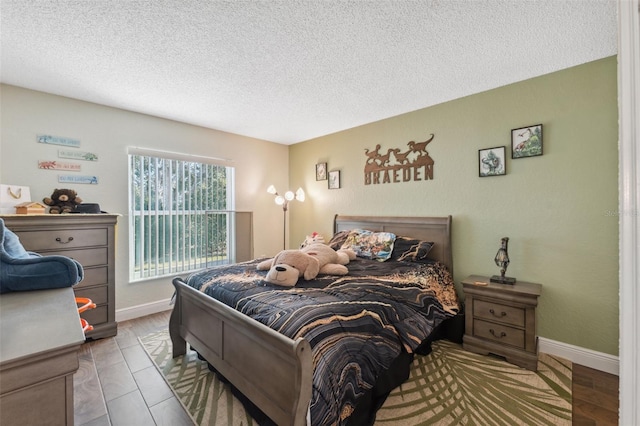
(356, 324)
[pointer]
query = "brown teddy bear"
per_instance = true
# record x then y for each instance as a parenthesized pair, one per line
(308, 262)
(62, 201)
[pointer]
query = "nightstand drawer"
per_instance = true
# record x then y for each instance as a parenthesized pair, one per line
(498, 333)
(86, 257)
(504, 314)
(59, 239)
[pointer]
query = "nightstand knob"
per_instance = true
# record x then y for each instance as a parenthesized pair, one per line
(503, 334)
(64, 242)
(502, 314)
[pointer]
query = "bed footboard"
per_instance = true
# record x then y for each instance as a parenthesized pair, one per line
(272, 370)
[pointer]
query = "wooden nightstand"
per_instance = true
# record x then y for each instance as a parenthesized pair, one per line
(501, 319)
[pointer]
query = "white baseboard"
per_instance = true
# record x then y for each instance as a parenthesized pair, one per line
(143, 310)
(578, 355)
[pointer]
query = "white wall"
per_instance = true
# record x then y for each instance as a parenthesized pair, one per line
(108, 132)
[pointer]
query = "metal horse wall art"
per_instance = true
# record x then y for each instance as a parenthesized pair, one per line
(396, 165)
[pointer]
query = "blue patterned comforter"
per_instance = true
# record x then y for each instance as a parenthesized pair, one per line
(356, 324)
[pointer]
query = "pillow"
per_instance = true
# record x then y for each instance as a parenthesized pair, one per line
(370, 245)
(338, 239)
(417, 252)
(402, 245)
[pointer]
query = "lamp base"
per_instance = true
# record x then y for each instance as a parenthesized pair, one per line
(502, 280)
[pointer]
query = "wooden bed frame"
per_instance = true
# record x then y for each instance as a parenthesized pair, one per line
(271, 370)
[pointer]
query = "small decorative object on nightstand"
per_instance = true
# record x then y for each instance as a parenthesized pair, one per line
(501, 319)
(502, 260)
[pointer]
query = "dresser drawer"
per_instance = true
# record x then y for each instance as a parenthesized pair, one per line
(504, 314)
(86, 257)
(98, 295)
(94, 276)
(95, 316)
(499, 333)
(63, 238)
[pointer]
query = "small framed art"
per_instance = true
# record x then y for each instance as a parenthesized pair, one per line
(321, 171)
(526, 141)
(491, 161)
(334, 179)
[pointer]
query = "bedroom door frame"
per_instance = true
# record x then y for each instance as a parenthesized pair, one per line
(629, 208)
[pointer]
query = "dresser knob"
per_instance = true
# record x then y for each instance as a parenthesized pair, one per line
(502, 314)
(64, 242)
(492, 331)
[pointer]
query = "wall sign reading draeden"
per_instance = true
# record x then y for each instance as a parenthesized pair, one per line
(397, 165)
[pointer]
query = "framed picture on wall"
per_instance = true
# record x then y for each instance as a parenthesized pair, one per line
(334, 179)
(491, 161)
(526, 141)
(321, 171)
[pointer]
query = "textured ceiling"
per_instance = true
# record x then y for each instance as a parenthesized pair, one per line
(289, 71)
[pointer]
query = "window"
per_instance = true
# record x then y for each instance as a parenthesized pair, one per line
(180, 213)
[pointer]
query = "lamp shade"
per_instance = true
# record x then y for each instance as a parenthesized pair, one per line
(300, 195)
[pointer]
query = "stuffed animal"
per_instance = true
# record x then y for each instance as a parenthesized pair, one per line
(330, 261)
(289, 265)
(62, 201)
(313, 238)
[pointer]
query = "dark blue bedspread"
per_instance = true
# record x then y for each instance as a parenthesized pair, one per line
(356, 324)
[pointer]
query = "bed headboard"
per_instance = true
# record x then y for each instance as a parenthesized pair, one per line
(436, 229)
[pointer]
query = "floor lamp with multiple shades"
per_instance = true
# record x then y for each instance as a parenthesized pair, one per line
(283, 200)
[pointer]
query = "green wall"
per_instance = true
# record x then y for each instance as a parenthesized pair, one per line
(558, 209)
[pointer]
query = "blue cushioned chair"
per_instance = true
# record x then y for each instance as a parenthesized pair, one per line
(21, 270)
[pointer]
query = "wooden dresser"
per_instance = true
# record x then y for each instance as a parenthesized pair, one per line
(501, 319)
(40, 336)
(87, 238)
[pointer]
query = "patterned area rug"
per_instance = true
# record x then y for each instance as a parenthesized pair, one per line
(450, 386)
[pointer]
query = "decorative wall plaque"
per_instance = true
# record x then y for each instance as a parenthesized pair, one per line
(397, 165)
(78, 155)
(58, 165)
(90, 180)
(58, 140)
